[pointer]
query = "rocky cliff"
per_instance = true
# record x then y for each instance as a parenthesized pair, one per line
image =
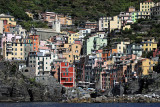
(16, 87)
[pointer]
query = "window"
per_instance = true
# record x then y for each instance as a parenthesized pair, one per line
(64, 74)
(21, 53)
(34, 47)
(67, 79)
(69, 55)
(76, 46)
(15, 49)
(70, 79)
(46, 62)
(21, 44)
(146, 44)
(15, 44)
(67, 73)
(21, 49)
(65, 64)
(34, 43)
(15, 53)
(46, 67)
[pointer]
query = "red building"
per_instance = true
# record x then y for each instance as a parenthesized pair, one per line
(35, 42)
(67, 75)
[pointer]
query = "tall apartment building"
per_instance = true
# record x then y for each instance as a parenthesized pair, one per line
(40, 64)
(17, 50)
(67, 75)
(35, 42)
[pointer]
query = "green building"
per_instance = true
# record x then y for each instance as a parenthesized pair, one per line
(95, 43)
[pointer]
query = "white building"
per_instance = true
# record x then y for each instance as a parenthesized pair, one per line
(83, 32)
(41, 64)
(121, 47)
(56, 25)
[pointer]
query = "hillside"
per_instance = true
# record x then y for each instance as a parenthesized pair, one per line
(79, 9)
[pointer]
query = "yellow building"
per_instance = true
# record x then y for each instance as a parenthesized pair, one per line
(7, 19)
(145, 6)
(72, 53)
(65, 20)
(127, 27)
(147, 66)
(17, 50)
(29, 14)
(149, 44)
(72, 36)
(69, 21)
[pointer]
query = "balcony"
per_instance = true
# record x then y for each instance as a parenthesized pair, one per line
(9, 42)
(40, 69)
(136, 48)
(9, 48)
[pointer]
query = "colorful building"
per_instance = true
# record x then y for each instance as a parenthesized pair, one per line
(135, 49)
(7, 27)
(7, 19)
(109, 23)
(73, 52)
(17, 50)
(67, 75)
(147, 66)
(35, 42)
(121, 47)
(72, 36)
(146, 5)
(149, 44)
(95, 42)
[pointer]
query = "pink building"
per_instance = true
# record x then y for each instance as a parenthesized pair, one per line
(156, 53)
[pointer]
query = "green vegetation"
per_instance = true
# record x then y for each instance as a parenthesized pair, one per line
(37, 24)
(147, 54)
(78, 9)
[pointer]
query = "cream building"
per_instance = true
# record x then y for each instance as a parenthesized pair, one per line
(7, 19)
(121, 47)
(17, 50)
(146, 6)
(111, 23)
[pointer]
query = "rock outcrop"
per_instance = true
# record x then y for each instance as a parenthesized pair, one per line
(16, 87)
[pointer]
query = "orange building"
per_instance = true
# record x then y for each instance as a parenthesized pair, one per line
(35, 42)
(7, 27)
(107, 53)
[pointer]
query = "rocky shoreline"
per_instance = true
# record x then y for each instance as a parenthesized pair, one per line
(125, 99)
